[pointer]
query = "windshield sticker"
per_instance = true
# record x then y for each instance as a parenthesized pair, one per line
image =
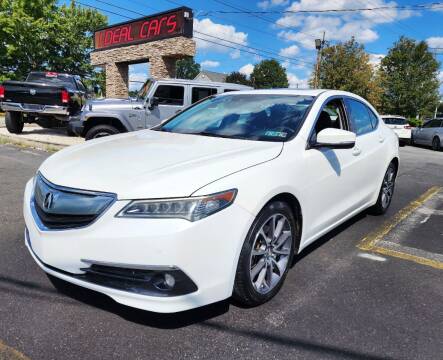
(276, 134)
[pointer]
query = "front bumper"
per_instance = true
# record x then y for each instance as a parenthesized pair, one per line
(206, 251)
(76, 126)
(35, 109)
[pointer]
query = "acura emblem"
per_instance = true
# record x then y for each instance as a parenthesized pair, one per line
(32, 91)
(49, 198)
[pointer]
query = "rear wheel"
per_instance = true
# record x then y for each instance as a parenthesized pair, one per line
(436, 144)
(266, 255)
(386, 192)
(14, 122)
(101, 131)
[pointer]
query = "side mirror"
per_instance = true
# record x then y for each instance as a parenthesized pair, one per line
(153, 103)
(335, 139)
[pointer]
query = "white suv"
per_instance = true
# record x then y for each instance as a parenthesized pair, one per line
(400, 126)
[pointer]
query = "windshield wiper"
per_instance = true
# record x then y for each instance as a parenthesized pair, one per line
(205, 133)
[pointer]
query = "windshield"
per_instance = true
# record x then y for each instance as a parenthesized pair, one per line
(252, 117)
(394, 121)
(52, 79)
(143, 92)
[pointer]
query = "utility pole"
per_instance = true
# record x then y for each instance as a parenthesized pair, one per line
(319, 43)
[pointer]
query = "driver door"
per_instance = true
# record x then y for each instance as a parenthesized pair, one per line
(171, 100)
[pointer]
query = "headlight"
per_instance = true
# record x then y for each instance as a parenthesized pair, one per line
(192, 208)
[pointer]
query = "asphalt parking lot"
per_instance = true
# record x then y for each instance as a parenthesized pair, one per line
(371, 289)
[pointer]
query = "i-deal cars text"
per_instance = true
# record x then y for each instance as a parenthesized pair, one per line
(212, 203)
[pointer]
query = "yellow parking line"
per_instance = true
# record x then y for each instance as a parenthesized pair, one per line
(9, 353)
(369, 243)
(417, 259)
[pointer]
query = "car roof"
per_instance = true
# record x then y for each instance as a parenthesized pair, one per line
(393, 116)
(205, 83)
(286, 91)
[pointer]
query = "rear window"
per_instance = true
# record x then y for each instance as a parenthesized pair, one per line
(52, 79)
(394, 121)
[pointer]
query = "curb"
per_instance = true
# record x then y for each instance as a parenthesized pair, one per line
(35, 144)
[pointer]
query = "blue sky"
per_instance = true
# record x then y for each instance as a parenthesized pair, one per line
(289, 38)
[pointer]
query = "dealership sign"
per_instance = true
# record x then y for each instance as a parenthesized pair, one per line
(177, 22)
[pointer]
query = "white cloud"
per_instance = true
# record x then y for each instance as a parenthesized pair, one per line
(210, 64)
(269, 3)
(435, 42)
(216, 32)
(247, 69)
(289, 51)
(340, 26)
(440, 77)
(295, 82)
(375, 59)
(235, 54)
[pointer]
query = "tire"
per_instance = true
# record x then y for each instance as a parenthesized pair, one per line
(412, 143)
(14, 122)
(101, 131)
(386, 191)
(253, 268)
(436, 145)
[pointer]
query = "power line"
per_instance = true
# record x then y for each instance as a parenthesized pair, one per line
(421, 7)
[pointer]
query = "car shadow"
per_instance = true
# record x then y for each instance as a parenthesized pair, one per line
(142, 317)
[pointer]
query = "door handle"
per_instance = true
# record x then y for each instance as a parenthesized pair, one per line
(381, 139)
(356, 151)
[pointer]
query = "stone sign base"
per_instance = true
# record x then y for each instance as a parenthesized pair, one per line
(161, 55)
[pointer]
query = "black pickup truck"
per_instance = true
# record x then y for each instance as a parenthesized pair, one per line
(45, 98)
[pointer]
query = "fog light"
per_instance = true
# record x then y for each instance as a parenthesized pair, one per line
(164, 282)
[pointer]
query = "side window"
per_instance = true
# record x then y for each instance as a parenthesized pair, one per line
(428, 124)
(229, 90)
(199, 93)
(331, 116)
(359, 117)
(374, 118)
(435, 123)
(170, 95)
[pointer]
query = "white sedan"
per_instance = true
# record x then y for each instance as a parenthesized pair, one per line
(212, 203)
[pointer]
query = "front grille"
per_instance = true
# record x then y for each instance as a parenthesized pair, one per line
(55, 207)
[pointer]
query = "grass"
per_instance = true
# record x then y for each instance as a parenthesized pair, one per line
(28, 144)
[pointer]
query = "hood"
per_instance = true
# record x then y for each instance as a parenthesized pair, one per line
(154, 164)
(110, 104)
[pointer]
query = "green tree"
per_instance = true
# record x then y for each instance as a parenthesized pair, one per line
(345, 66)
(236, 77)
(39, 35)
(187, 68)
(410, 79)
(269, 74)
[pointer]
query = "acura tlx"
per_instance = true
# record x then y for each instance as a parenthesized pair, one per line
(214, 202)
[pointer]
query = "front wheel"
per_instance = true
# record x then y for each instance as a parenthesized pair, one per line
(386, 192)
(436, 146)
(266, 255)
(101, 131)
(14, 122)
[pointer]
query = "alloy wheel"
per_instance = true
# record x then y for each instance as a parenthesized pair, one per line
(388, 187)
(270, 253)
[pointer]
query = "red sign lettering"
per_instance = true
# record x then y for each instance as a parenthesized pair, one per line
(174, 23)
